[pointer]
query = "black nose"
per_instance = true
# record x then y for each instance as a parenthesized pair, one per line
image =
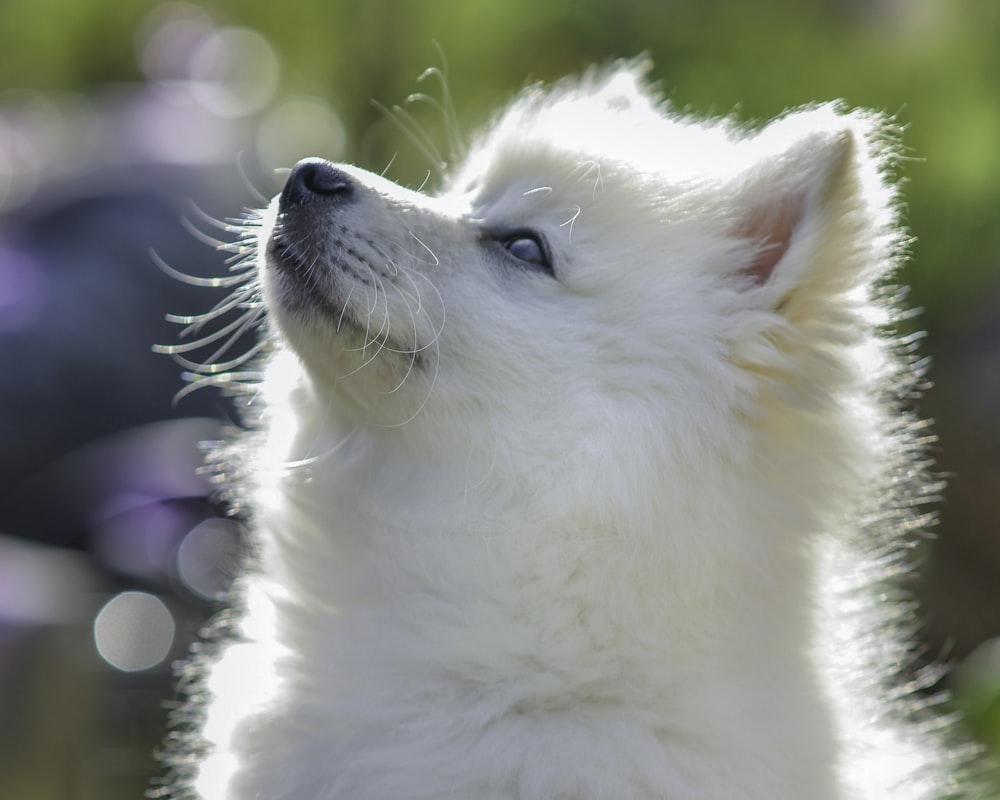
(314, 179)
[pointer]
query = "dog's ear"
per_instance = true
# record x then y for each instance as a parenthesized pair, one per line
(814, 209)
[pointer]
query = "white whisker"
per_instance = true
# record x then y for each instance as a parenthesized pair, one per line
(577, 210)
(409, 127)
(238, 381)
(211, 367)
(446, 106)
(435, 260)
(234, 318)
(193, 280)
(427, 395)
(343, 310)
(262, 200)
(228, 226)
(239, 324)
(387, 167)
(291, 466)
(245, 298)
(204, 238)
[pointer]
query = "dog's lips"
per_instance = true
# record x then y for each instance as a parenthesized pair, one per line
(302, 279)
(304, 289)
(282, 252)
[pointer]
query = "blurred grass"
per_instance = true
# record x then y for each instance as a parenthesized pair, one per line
(935, 63)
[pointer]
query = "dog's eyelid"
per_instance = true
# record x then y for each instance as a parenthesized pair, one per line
(528, 247)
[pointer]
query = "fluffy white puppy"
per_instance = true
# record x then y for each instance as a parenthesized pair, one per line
(579, 478)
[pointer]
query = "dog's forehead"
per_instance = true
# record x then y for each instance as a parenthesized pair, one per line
(532, 183)
(580, 129)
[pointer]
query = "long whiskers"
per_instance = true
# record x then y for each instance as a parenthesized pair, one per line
(383, 331)
(407, 124)
(446, 105)
(291, 466)
(262, 199)
(235, 317)
(378, 339)
(435, 261)
(427, 394)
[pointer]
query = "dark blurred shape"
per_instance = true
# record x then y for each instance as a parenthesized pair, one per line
(94, 456)
(75, 342)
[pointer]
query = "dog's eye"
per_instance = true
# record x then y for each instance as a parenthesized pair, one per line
(528, 248)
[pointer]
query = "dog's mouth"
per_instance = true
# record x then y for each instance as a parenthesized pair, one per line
(315, 283)
(336, 263)
(304, 285)
(300, 248)
(280, 249)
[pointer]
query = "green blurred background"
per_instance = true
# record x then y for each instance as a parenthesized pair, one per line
(110, 108)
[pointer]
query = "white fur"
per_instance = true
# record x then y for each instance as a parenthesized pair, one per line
(612, 534)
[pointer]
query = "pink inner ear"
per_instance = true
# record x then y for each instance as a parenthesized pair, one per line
(771, 228)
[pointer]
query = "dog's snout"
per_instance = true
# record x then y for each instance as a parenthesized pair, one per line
(314, 179)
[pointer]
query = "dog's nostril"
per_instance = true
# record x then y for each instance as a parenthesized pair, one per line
(322, 177)
(312, 179)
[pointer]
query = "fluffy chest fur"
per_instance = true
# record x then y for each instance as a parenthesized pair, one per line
(580, 478)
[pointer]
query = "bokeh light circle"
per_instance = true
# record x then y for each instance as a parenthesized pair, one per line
(234, 72)
(299, 127)
(134, 631)
(208, 557)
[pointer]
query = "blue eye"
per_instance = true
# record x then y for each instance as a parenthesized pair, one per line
(529, 249)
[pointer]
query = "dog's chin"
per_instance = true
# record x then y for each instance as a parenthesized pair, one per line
(301, 285)
(318, 322)
(301, 293)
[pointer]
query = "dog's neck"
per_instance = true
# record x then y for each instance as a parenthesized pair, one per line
(425, 612)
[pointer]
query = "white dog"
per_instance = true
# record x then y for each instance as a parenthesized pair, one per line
(579, 478)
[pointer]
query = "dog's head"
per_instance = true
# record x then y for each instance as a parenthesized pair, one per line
(594, 264)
